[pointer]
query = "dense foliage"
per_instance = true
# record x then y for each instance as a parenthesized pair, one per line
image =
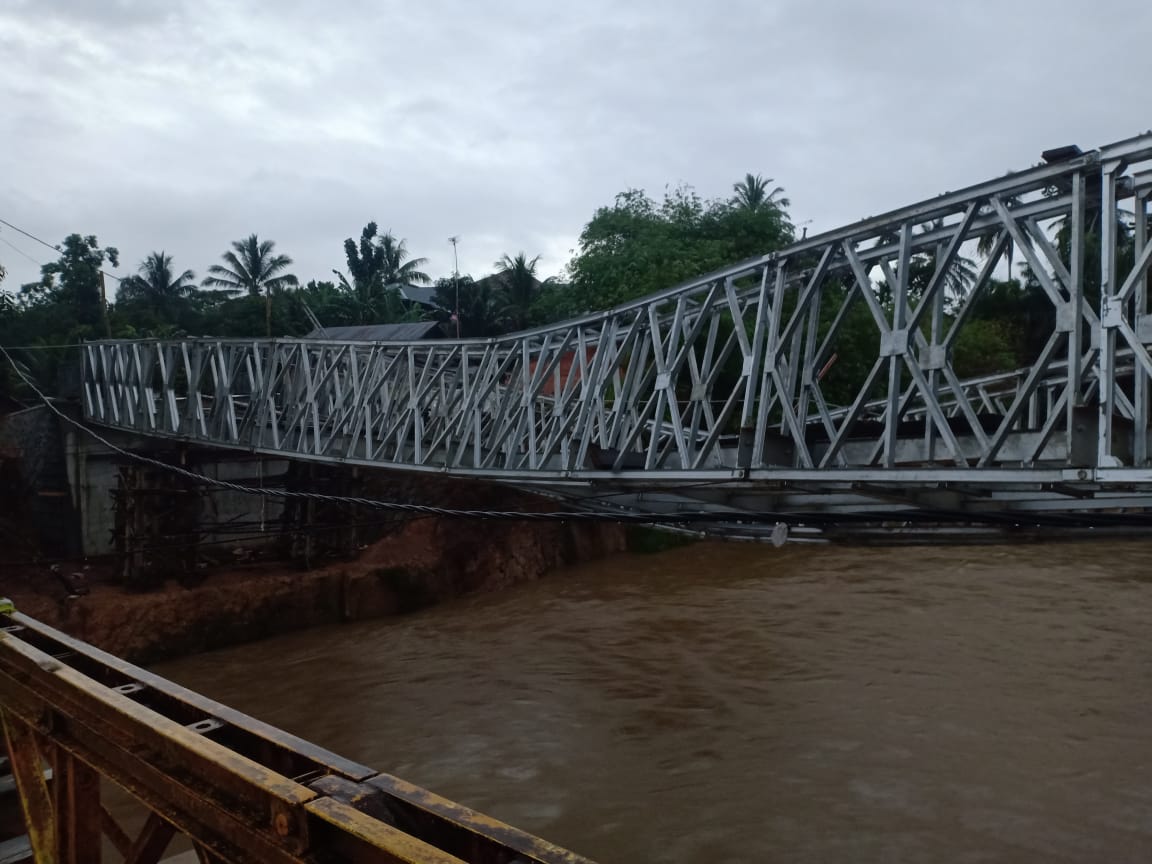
(639, 245)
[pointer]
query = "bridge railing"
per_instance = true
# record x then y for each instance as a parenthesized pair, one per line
(238, 789)
(728, 376)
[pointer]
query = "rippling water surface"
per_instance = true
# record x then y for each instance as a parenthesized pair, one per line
(742, 703)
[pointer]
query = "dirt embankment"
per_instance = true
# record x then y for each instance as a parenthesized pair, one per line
(417, 564)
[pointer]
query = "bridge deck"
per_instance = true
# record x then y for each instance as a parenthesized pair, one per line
(240, 789)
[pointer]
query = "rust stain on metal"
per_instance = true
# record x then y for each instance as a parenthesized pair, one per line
(378, 835)
(229, 797)
(467, 819)
(27, 768)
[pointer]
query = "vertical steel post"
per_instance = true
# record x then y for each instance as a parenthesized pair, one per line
(1110, 311)
(1075, 398)
(76, 794)
(1140, 311)
(896, 357)
(936, 332)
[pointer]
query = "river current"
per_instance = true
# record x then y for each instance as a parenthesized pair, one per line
(737, 702)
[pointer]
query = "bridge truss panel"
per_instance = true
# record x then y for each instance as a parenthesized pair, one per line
(744, 374)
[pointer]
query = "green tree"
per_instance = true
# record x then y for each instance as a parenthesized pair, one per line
(75, 282)
(480, 306)
(639, 246)
(252, 267)
(519, 287)
(367, 263)
(552, 303)
(158, 287)
(1024, 308)
(958, 279)
(1124, 234)
(378, 267)
(752, 193)
(332, 305)
(399, 267)
(985, 347)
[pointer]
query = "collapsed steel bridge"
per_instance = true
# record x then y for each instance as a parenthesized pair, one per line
(714, 395)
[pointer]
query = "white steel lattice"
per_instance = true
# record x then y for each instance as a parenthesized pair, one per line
(724, 381)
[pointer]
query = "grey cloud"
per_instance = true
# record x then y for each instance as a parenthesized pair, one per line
(186, 125)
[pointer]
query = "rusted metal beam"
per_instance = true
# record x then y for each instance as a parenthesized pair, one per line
(28, 769)
(76, 801)
(242, 790)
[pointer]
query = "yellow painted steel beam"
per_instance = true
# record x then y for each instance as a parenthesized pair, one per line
(218, 775)
(28, 769)
(76, 802)
(467, 827)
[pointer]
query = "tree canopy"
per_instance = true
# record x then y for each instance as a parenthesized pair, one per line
(639, 245)
(251, 266)
(399, 267)
(158, 286)
(75, 281)
(519, 287)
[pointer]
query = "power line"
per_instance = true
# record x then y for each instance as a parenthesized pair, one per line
(44, 347)
(43, 242)
(18, 250)
(30, 236)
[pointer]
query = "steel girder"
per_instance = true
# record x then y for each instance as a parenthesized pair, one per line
(725, 379)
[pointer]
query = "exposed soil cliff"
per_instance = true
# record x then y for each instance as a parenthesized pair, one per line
(417, 563)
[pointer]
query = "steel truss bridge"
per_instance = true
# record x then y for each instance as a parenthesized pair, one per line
(713, 396)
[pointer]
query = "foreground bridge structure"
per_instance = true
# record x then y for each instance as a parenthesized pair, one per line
(714, 395)
(236, 790)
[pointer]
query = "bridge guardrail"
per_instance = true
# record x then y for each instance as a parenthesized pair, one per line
(240, 789)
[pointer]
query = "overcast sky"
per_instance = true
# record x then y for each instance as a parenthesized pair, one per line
(184, 125)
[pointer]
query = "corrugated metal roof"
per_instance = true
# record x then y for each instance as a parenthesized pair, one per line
(412, 332)
(422, 294)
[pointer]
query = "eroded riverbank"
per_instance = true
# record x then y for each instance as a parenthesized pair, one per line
(424, 562)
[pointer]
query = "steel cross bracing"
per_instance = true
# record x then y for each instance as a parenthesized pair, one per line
(715, 393)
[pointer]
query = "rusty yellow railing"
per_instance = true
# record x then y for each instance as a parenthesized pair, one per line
(241, 790)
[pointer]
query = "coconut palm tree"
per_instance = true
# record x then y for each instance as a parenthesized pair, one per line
(958, 279)
(961, 272)
(988, 241)
(399, 268)
(752, 193)
(156, 284)
(252, 267)
(519, 287)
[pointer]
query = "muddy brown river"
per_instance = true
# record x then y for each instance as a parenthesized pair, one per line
(723, 703)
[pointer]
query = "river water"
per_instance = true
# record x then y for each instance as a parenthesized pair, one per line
(738, 702)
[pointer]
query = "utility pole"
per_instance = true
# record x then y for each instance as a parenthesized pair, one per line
(456, 278)
(104, 308)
